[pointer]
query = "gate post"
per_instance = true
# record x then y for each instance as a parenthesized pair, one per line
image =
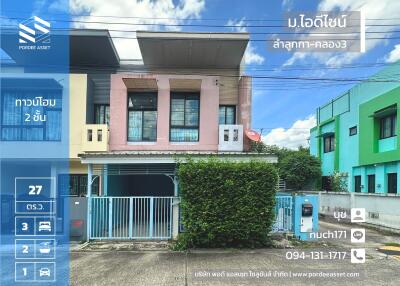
(175, 210)
(110, 216)
(130, 217)
(89, 202)
(151, 216)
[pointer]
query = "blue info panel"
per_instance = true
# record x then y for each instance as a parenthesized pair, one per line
(34, 144)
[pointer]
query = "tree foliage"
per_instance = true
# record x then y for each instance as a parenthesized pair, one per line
(297, 167)
(299, 170)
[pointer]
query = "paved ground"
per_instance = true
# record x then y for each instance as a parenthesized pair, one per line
(171, 268)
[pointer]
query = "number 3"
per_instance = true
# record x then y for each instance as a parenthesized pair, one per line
(24, 226)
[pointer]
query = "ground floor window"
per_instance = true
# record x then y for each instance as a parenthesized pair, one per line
(392, 183)
(371, 183)
(77, 184)
(357, 184)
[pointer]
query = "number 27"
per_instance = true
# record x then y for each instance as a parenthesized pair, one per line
(35, 190)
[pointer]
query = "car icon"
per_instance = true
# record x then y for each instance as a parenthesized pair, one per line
(44, 271)
(45, 226)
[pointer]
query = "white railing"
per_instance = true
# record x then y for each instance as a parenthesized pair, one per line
(130, 218)
(95, 138)
(230, 138)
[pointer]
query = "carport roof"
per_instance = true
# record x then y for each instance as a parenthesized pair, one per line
(146, 157)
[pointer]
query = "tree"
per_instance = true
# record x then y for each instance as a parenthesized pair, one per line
(299, 169)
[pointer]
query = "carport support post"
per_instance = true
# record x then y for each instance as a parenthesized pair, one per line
(105, 180)
(89, 203)
(175, 211)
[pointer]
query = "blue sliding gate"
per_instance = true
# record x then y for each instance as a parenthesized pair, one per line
(130, 218)
(283, 214)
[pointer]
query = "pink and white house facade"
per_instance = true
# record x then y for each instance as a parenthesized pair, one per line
(188, 97)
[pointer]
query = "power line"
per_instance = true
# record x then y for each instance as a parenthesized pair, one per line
(251, 33)
(113, 69)
(243, 19)
(186, 25)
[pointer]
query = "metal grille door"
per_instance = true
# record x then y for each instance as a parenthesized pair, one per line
(130, 218)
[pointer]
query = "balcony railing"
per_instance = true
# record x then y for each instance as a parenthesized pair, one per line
(230, 138)
(95, 138)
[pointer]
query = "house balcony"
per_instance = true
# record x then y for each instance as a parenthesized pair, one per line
(95, 138)
(230, 138)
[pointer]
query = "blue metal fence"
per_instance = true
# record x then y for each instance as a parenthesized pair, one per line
(130, 217)
(283, 214)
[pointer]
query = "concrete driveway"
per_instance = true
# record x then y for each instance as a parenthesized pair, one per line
(234, 267)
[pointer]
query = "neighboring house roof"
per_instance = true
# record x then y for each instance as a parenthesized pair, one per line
(93, 48)
(192, 50)
(87, 48)
(31, 83)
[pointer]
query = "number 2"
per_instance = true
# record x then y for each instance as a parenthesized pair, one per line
(25, 249)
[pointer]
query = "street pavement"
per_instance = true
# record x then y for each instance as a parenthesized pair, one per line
(242, 267)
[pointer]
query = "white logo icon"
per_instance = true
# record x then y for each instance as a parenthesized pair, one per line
(44, 271)
(45, 226)
(357, 255)
(45, 248)
(38, 32)
(357, 215)
(357, 235)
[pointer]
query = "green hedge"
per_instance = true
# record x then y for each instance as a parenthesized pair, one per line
(226, 204)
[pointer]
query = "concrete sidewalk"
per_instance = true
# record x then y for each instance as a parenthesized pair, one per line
(174, 268)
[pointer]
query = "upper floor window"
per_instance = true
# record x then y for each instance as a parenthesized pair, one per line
(185, 117)
(142, 116)
(353, 131)
(102, 114)
(329, 143)
(25, 117)
(388, 126)
(227, 114)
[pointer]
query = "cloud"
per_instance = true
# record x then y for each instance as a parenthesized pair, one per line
(287, 5)
(373, 10)
(394, 55)
(250, 56)
(292, 138)
(153, 14)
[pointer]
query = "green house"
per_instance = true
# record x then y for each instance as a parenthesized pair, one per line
(356, 135)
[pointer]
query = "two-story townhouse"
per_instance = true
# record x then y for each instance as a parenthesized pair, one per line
(357, 135)
(131, 121)
(188, 97)
(50, 148)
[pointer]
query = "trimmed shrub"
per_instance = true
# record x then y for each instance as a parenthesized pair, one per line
(226, 204)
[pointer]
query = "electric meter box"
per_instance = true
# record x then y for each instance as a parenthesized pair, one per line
(305, 215)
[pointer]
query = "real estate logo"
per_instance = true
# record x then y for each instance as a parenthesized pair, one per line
(34, 34)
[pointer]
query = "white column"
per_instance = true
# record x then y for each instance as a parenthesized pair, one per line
(53, 181)
(175, 211)
(89, 206)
